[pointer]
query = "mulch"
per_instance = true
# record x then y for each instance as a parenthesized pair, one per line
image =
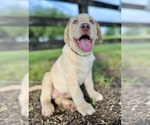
(108, 111)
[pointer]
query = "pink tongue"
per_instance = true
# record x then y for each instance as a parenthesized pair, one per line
(85, 45)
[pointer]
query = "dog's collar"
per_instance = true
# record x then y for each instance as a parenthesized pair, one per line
(78, 53)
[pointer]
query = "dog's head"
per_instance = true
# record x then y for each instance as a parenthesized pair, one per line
(81, 33)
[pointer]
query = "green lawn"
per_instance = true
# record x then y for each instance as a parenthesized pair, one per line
(108, 57)
(13, 65)
(136, 55)
(135, 63)
(126, 37)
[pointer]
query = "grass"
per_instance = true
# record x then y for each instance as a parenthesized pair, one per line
(108, 61)
(126, 37)
(135, 63)
(13, 65)
(41, 61)
(108, 56)
(135, 55)
(142, 36)
(107, 37)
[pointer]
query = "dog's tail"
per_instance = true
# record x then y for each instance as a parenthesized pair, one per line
(18, 87)
(34, 88)
(10, 87)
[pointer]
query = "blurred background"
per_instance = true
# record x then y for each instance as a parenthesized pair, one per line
(135, 62)
(14, 20)
(14, 41)
(122, 59)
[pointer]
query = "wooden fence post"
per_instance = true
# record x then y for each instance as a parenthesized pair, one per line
(83, 6)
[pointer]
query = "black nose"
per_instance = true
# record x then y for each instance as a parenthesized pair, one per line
(85, 26)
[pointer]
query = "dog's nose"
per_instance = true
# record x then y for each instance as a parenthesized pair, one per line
(85, 26)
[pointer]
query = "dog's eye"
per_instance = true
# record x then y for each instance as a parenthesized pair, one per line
(75, 21)
(91, 21)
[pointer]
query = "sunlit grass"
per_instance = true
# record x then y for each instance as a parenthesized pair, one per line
(111, 37)
(142, 36)
(136, 55)
(135, 63)
(13, 65)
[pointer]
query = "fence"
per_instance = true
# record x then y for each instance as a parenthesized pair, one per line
(138, 24)
(45, 21)
(82, 8)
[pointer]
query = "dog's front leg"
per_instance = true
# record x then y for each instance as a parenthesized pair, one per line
(89, 86)
(46, 95)
(82, 106)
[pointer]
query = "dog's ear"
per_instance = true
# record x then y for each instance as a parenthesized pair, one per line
(100, 40)
(66, 33)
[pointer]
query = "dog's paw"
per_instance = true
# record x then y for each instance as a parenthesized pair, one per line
(98, 97)
(86, 109)
(47, 109)
(70, 105)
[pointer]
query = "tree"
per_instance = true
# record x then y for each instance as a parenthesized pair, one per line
(113, 31)
(49, 31)
(148, 30)
(47, 12)
(133, 31)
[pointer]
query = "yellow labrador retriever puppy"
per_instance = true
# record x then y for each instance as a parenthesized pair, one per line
(73, 68)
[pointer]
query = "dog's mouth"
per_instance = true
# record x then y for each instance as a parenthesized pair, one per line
(84, 43)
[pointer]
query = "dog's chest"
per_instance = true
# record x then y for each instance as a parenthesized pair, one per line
(84, 69)
(82, 77)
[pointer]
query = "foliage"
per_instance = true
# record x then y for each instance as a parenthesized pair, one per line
(52, 32)
(148, 30)
(47, 31)
(136, 31)
(113, 31)
(40, 62)
(107, 64)
(8, 32)
(47, 12)
(93, 102)
(15, 10)
(133, 31)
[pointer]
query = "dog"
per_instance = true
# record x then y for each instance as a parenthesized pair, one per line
(73, 68)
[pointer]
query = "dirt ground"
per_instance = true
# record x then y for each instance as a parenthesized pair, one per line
(108, 111)
(10, 109)
(135, 97)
